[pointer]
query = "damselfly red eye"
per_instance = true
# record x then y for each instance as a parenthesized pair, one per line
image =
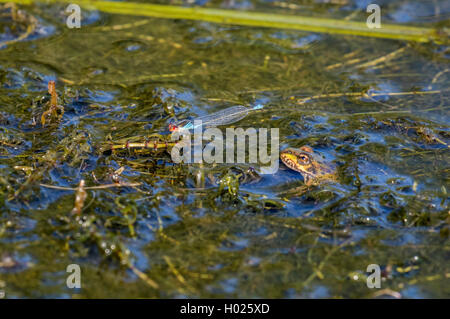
(172, 127)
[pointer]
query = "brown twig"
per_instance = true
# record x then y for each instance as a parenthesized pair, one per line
(53, 103)
(365, 94)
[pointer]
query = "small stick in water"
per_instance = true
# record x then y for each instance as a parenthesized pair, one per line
(223, 117)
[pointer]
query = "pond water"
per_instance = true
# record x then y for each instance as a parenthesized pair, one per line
(213, 231)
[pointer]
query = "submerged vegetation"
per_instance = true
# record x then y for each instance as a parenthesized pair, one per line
(86, 176)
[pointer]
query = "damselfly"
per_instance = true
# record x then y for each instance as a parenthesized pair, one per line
(223, 117)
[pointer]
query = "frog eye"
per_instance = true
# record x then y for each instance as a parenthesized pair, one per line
(303, 159)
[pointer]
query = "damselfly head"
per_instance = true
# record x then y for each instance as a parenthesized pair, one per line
(173, 127)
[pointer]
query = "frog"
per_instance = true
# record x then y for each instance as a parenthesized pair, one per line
(313, 168)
